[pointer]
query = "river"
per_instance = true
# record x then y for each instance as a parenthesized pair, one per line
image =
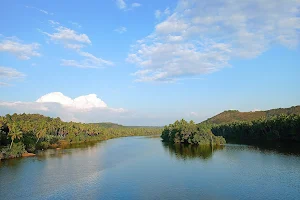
(145, 168)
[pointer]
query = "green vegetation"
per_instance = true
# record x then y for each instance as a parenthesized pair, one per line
(30, 132)
(189, 133)
(281, 124)
(236, 116)
(277, 128)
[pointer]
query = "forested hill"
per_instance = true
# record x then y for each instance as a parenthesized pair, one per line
(107, 125)
(236, 116)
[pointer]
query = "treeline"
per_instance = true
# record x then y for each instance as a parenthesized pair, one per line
(231, 116)
(30, 132)
(189, 133)
(277, 128)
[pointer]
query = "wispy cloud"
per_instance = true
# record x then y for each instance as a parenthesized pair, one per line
(66, 35)
(53, 22)
(135, 5)
(77, 25)
(121, 4)
(40, 10)
(76, 42)
(16, 47)
(7, 74)
(201, 37)
(121, 29)
(89, 61)
(159, 14)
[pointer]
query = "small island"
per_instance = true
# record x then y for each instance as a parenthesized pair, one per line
(190, 133)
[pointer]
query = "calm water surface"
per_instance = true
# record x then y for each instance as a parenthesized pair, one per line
(145, 168)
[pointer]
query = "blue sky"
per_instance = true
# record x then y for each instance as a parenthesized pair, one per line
(148, 62)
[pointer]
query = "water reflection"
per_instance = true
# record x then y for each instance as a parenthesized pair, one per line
(188, 151)
(286, 148)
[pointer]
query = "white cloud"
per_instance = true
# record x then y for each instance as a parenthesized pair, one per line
(95, 60)
(121, 4)
(40, 10)
(55, 23)
(19, 49)
(121, 29)
(7, 74)
(90, 61)
(64, 34)
(201, 37)
(82, 102)
(193, 114)
(88, 108)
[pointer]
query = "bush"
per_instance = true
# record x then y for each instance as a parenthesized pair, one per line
(30, 148)
(43, 145)
(16, 150)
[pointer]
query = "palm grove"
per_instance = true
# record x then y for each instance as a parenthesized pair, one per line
(30, 132)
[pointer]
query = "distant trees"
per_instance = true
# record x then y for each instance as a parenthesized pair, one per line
(281, 128)
(188, 132)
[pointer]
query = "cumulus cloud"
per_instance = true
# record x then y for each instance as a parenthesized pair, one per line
(82, 102)
(121, 29)
(201, 37)
(7, 74)
(16, 47)
(88, 108)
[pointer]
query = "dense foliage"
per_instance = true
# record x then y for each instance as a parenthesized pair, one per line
(231, 116)
(188, 132)
(30, 132)
(279, 128)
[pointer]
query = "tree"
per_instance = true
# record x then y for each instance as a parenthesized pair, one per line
(40, 134)
(14, 133)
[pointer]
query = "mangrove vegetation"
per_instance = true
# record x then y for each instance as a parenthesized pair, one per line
(190, 133)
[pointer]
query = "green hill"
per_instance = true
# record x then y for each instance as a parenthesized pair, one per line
(236, 116)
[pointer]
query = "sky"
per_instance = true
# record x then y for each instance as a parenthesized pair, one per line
(138, 62)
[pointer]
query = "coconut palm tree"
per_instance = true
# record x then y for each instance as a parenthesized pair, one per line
(14, 133)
